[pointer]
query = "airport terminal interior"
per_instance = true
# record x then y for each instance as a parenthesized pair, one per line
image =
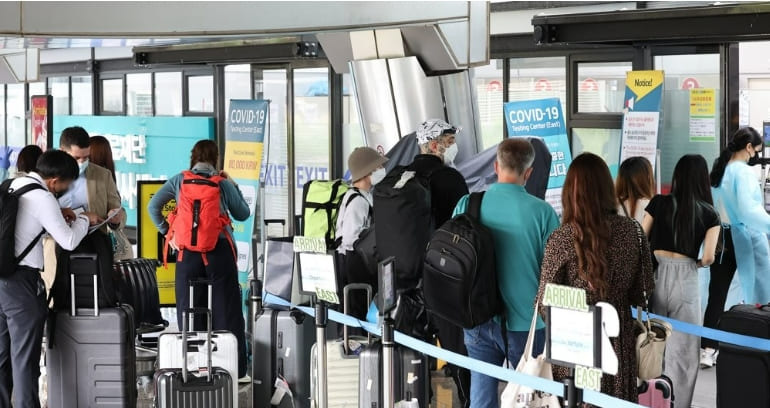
(288, 92)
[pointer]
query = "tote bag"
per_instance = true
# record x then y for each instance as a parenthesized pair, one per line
(519, 396)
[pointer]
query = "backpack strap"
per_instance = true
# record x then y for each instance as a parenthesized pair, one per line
(20, 192)
(474, 205)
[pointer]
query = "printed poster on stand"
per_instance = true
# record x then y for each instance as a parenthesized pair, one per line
(41, 119)
(543, 118)
(641, 119)
(244, 142)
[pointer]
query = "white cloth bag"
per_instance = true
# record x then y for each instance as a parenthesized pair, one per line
(519, 396)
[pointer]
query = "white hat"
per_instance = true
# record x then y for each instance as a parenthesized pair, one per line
(432, 129)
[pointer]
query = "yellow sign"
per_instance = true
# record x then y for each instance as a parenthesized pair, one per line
(243, 159)
(703, 102)
(151, 243)
(641, 83)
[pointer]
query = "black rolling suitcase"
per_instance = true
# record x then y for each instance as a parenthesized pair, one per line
(743, 374)
(178, 388)
(91, 361)
(410, 368)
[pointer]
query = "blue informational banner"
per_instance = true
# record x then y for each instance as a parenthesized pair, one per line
(543, 118)
(244, 142)
(143, 148)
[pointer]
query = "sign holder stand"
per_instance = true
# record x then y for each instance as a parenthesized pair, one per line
(321, 320)
(572, 394)
(387, 285)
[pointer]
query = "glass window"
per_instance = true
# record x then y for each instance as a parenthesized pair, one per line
(16, 115)
(311, 128)
(36, 88)
(139, 95)
(601, 86)
(59, 88)
(112, 95)
(538, 78)
(200, 93)
(237, 83)
(602, 142)
(271, 84)
(682, 130)
(352, 132)
(82, 95)
(168, 94)
(488, 81)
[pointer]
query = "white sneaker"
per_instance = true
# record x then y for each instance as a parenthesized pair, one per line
(708, 357)
(246, 379)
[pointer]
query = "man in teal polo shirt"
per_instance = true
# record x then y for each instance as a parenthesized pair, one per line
(521, 224)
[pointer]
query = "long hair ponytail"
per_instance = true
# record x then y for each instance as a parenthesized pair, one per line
(738, 142)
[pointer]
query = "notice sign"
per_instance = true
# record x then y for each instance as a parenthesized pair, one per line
(245, 134)
(641, 120)
(703, 123)
(543, 118)
(42, 121)
(317, 276)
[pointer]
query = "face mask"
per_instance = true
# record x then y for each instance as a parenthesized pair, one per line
(377, 176)
(753, 161)
(450, 153)
(83, 166)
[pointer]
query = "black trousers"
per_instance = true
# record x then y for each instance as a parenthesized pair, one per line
(722, 272)
(226, 310)
(452, 338)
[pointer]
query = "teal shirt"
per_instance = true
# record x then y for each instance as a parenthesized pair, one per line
(521, 224)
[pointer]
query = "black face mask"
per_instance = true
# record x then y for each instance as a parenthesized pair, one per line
(754, 160)
(59, 194)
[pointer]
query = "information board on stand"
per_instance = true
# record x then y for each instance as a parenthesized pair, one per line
(151, 243)
(543, 118)
(641, 115)
(578, 335)
(317, 275)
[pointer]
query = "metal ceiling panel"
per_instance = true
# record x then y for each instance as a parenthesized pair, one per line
(416, 96)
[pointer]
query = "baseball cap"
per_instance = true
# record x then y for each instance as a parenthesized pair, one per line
(431, 129)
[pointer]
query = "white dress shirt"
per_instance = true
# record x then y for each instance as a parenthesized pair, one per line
(77, 195)
(353, 219)
(38, 211)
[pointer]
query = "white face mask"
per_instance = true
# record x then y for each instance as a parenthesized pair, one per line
(377, 176)
(83, 166)
(450, 153)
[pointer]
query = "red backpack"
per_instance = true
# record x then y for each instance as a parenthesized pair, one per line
(197, 221)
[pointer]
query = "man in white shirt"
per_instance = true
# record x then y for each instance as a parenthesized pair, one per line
(22, 294)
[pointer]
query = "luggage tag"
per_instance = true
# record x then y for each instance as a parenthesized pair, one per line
(281, 390)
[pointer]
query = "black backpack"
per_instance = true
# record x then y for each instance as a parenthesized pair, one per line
(404, 218)
(460, 275)
(9, 208)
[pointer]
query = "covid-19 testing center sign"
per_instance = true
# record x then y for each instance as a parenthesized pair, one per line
(543, 118)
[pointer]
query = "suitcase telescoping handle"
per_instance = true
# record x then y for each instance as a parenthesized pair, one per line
(187, 314)
(93, 270)
(345, 306)
(192, 283)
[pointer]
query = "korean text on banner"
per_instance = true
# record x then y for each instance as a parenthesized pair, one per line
(703, 123)
(543, 118)
(245, 134)
(641, 119)
(42, 121)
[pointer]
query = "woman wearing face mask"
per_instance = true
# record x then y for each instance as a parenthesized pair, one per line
(354, 216)
(738, 198)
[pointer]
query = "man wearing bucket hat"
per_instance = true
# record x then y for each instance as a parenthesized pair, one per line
(355, 215)
(447, 186)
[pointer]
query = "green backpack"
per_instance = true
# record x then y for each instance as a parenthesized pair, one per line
(320, 205)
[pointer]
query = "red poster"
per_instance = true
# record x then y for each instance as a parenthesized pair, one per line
(42, 123)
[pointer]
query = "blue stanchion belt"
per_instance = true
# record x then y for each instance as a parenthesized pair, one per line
(718, 335)
(500, 373)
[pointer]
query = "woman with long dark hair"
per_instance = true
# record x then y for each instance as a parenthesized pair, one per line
(634, 186)
(604, 253)
(678, 225)
(738, 198)
(27, 160)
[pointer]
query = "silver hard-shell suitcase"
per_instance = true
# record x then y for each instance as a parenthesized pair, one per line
(341, 363)
(91, 361)
(178, 388)
(411, 376)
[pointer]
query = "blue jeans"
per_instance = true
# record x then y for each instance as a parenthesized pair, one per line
(485, 343)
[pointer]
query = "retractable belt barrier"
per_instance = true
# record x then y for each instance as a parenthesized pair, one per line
(500, 373)
(713, 334)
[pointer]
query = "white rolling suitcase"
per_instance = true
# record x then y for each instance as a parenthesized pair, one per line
(342, 365)
(224, 348)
